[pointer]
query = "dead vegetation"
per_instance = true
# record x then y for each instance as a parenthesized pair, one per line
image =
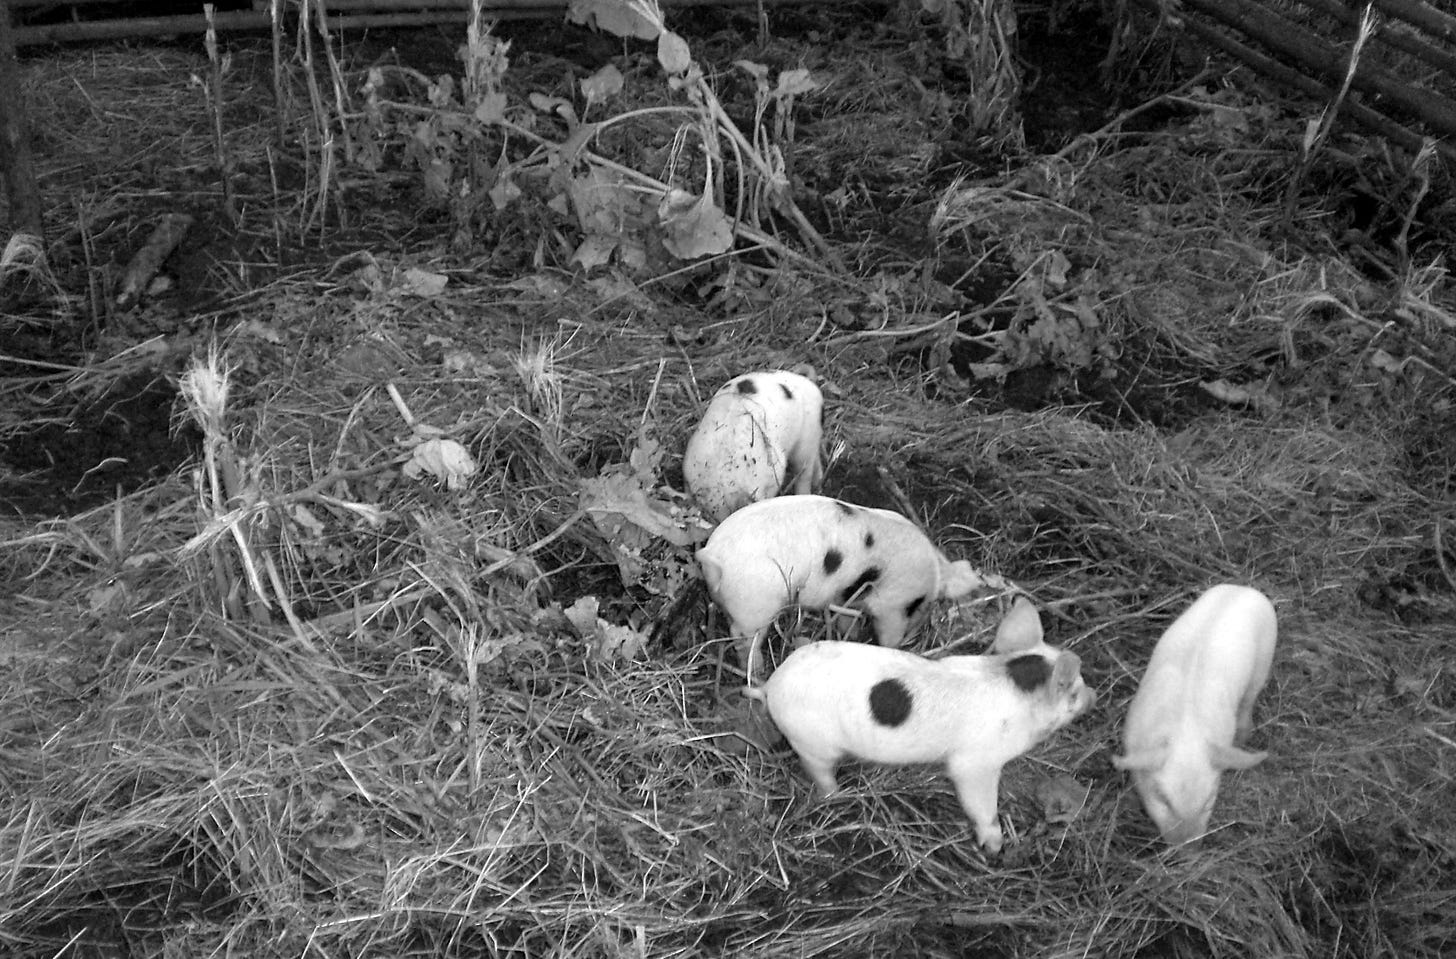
(293, 700)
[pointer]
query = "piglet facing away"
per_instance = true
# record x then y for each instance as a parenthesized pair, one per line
(1195, 706)
(820, 552)
(836, 700)
(759, 430)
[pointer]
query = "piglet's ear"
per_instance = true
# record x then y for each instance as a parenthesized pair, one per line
(1146, 759)
(1020, 628)
(1232, 757)
(1064, 673)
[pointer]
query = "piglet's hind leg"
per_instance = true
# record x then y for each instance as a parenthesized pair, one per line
(820, 769)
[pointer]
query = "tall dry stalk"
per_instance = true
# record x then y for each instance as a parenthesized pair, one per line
(1318, 131)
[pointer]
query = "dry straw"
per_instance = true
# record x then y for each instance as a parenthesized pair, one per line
(309, 705)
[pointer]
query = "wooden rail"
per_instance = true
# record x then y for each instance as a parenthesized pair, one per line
(1294, 55)
(342, 15)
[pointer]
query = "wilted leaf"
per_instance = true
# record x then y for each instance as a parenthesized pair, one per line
(550, 104)
(419, 282)
(673, 53)
(693, 226)
(491, 108)
(621, 497)
(603, 203)
(594, 251)
(504, 192)
(616, 17)
(1061, 798)
(442, 459)
(582, 615)
(616, 287)
(794, 82)
(1252, 394)
(437, 180)
(606, 82)
(758, 71)
(608, 641)
(1057, 266)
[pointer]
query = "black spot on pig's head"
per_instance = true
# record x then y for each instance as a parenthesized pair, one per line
(869, 540)
(865, 581)
(890, 702)
(832, 561)
(913, 607)
(747, 387)
(1029, 671)
(788, 393)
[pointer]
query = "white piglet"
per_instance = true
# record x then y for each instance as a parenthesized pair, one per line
(820, 552)
(1195, 707)
(835, 700)
(759, 431)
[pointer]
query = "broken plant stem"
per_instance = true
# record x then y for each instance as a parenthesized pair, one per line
(1318, 132)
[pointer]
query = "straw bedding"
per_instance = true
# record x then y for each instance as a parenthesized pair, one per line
(348, 712)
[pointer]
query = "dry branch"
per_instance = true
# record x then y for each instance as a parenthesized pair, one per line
(149, 259)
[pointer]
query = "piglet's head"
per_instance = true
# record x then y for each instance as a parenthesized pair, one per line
(1051, 675)
(1178, 782)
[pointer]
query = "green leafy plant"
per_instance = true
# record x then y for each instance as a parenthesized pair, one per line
(479, 154)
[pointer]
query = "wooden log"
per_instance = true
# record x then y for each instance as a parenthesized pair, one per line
(1402, 40)
(1267, 66)
(1422, 15)
(149, 259)
(1290, 39)
(448, 11)
(17, 165)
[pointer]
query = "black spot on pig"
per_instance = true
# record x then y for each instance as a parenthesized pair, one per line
(913, 607)
(844, 507)
(864, 581)
(788, 393)
(890, 702)
(832, 561)
(747, 387)
(869, 540)
(1029, 672)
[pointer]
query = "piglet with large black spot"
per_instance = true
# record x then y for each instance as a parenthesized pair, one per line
(835, 701)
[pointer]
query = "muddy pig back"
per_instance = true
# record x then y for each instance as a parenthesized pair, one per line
(819, 552)
(760, 430)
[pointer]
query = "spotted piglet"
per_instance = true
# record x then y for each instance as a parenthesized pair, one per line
(820, 552)
(1195, 704)
(760, 429)
(835, 700)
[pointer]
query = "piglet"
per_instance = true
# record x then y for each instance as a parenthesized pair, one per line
(820, 552)
(834, 700)
(760, 429)
(1195, 706)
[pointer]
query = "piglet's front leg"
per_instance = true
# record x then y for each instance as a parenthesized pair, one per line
(976, 785)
